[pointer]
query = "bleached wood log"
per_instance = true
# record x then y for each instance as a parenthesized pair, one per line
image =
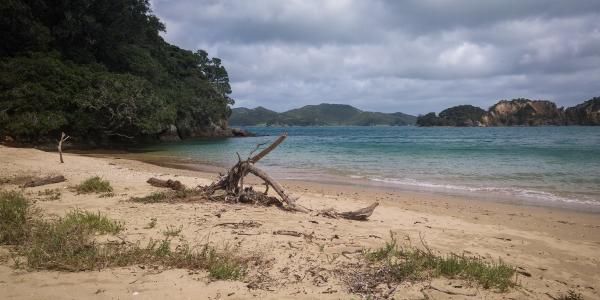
(44, 181)
(172, 184)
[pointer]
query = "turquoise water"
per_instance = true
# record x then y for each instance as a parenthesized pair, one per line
(544, 165)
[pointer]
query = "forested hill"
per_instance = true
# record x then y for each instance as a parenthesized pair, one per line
(323, 115)
(100, 71)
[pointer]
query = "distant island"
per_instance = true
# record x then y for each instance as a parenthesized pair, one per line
(516, 112)
(324, 114)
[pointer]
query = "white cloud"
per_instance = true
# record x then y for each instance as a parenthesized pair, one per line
(413, 56)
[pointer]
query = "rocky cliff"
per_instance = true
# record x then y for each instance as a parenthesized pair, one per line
(183, 131)
(586, 113)
(516, 112)
(523, 112)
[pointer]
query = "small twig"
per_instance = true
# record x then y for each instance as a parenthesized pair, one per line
(255, 149)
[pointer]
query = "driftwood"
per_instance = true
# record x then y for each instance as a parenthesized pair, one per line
(233, 185)
(63, 138)
(359, 214)
(44, 181)
(288, 232)
(172, 184)
(236, 225)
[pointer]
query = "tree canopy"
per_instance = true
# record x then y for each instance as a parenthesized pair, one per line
(461, 115)
(100, 71)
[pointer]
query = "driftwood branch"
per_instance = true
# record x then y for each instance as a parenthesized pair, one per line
(63, 138)
(267, 150)
(44, 181)
(288, 232)
(359, 214)
(172, 184)
(233, 185)
(288, 201)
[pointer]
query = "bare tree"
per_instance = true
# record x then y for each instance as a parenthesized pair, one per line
(63, 138)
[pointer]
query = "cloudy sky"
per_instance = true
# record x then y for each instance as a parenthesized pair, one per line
(413, 56)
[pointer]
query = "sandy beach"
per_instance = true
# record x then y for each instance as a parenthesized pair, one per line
(554, 250)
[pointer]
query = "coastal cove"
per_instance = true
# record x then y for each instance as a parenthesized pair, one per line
(554, 250)
(368, 150)
(543, 166)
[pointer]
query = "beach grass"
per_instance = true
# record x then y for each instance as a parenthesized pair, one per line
(172, 231)
(155, 197)
(411, 263)
(166, 196)
(49, 194)
(69, 244)
(94, 185)
(15, 217)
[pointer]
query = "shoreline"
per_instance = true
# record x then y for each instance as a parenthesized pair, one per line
(559, 249)
(439, 203)
(302, 176)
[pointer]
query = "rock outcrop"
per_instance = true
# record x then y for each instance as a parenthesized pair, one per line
(523, 112)
(586, 113)
(516, 112)
(182, 131)
(170, 134)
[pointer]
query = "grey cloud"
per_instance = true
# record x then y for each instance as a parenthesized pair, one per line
(411, 56)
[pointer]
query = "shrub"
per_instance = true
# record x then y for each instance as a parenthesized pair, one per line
(94, 185)
(410, 263)
(68, 243)
(155, 197)
(15, 214)
(49, 194)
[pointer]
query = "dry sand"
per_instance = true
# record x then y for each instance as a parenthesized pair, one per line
(560, 249)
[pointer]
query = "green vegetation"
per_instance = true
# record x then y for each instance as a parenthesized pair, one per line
(94, 185)
(89, 222)
(155, 197)
(323, 114)
(462, 115)
(586, 113)
(516, 112)
(409, 263)
(68, 244)
(166, 197)
(100, 71)
(15, 213)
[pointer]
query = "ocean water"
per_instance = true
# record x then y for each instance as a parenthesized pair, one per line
(555, 166)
